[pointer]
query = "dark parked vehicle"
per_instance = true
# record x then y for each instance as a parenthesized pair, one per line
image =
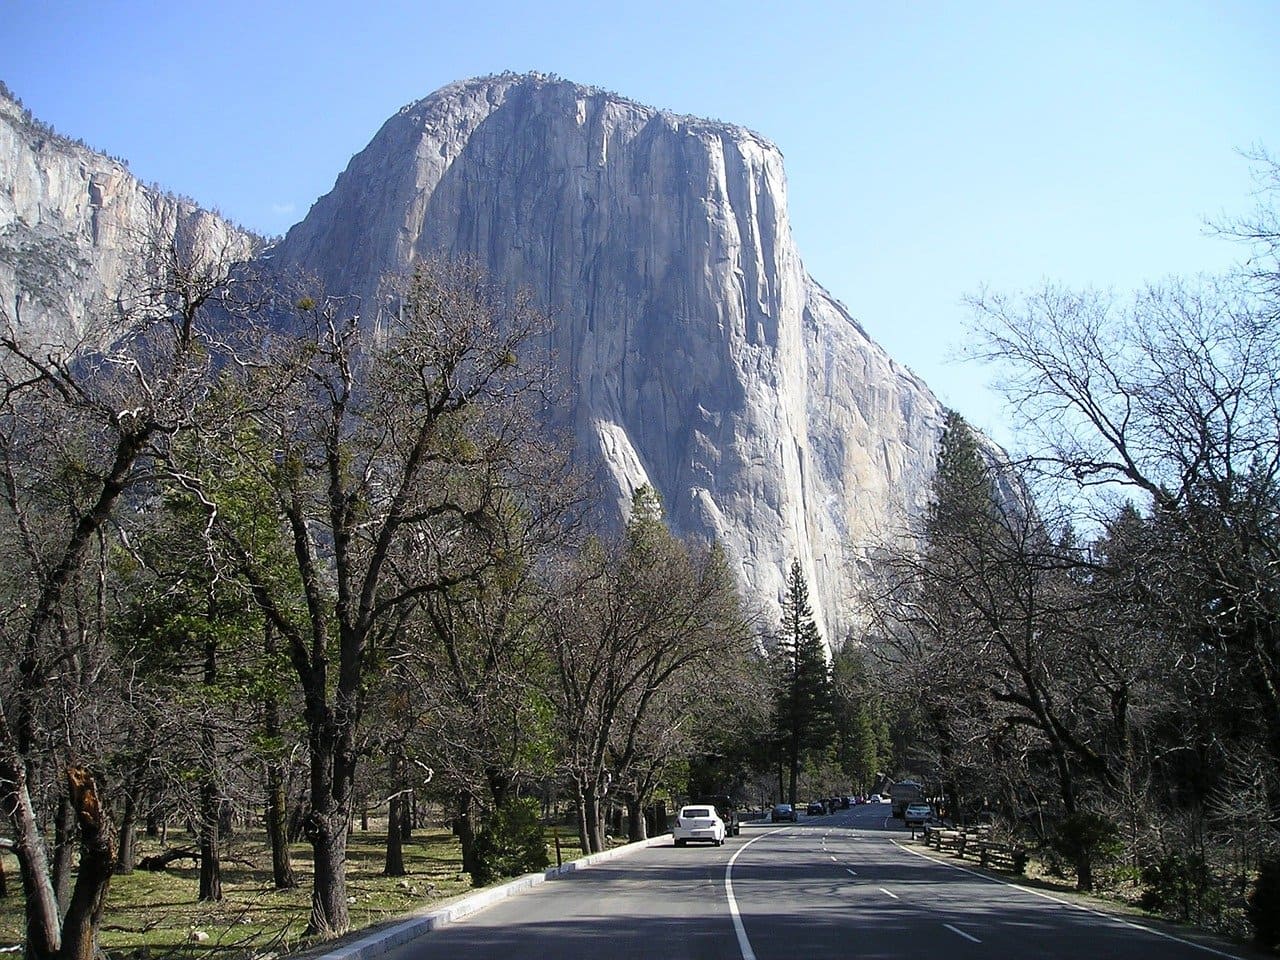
(783, 812)
(728, 811)
(816, 809)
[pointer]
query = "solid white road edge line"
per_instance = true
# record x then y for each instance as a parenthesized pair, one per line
(744, 944)
(1067, 903)
(962, 933)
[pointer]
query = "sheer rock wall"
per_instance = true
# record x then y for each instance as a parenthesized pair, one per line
(705, 360)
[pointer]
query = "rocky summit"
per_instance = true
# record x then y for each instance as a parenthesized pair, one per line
(703, 359)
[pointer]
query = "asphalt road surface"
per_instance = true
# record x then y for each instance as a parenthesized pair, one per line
(833, 886)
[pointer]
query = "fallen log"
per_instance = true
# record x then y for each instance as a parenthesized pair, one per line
(159, 861)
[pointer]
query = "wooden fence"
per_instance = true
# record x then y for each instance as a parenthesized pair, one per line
(977, 842)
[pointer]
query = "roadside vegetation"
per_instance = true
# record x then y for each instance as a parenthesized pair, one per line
(1095, 626)
(156, 914)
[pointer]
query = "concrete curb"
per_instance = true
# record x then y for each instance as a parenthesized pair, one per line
(386, 940)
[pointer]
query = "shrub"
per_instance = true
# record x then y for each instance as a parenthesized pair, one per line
(1263, 905)
(1084, 839)
(510, 844)
(1181, 885)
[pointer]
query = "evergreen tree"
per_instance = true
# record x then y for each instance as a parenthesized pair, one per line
(858, 719)
(962, 493)
(804, 714)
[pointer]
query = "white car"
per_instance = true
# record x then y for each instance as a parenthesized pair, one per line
(917, 814)
(699, 822)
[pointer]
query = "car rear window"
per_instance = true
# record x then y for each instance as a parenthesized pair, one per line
(696, 812)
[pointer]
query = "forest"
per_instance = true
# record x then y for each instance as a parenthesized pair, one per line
(270, 562)
(1095, 622)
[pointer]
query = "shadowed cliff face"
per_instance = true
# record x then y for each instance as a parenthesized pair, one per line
(75, 225)
(704, 359)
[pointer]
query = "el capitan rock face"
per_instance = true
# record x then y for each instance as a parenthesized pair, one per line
(704, 359)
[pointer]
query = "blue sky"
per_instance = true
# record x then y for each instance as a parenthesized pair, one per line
(931, 148)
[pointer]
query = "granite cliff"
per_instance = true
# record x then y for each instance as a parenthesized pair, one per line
(704, 359)
(74, 223)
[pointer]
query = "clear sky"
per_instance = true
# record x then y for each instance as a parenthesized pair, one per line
(931, 148)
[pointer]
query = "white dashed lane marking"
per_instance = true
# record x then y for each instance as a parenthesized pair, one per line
(961, 932)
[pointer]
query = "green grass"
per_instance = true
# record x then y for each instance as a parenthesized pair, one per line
(154, 915)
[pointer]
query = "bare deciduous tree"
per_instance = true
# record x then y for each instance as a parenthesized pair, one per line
(389, 446)
(82, 425)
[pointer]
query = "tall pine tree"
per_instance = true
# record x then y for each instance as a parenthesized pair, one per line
(804, 713)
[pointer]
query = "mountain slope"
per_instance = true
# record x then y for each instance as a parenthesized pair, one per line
(705, 360)
(75, 223)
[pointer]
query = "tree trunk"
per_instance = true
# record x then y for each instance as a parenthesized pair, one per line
(499, 787)
(64, 830)
(43, 930)
(210, 865)
(276, 808)
(278, 831)
(594, 822)
(464, 830)
(226, 818)
(637, 829)
(584, 831)
(210, 795)
(127, 856)
(97, 860)
(393, 866)
(329, 820)
(1084, 871)
(328, 835)
(408, 815)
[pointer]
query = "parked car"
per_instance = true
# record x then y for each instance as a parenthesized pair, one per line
(699, 822)
(917, 814)
(728, 811)
(783, 812)
(816, 809)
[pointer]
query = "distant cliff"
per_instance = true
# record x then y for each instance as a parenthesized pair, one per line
(705, 360)
(73, 223)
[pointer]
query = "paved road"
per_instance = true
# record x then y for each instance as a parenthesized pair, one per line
(835, 886)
